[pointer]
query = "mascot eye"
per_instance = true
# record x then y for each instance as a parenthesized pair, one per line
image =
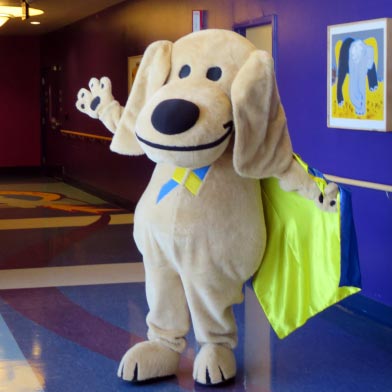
(214, 73)
(184, 71)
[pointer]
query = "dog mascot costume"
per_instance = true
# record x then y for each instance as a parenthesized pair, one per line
(206, 109)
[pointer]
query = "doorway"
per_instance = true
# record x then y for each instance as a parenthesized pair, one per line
(261, 32)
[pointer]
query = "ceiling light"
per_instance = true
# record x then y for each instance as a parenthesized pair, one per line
(8, 12)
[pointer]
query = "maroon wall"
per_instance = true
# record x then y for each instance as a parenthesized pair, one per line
(99, 46)
(86, 49)
(20, 102)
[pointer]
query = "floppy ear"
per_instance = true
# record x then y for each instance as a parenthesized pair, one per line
(151, 75)
(262, 146)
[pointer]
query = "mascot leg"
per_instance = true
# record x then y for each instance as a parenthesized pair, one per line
(168, 322)
(210, 298)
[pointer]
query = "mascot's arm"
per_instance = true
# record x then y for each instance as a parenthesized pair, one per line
(98, 102)
(296, 178)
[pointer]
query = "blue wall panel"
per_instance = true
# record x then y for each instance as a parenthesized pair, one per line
(363, 155)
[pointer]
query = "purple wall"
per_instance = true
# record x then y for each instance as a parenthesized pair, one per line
(363, 155)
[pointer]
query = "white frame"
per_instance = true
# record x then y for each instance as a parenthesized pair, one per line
(357, 30)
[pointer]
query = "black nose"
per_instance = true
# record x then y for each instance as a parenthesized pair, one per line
(174, 116)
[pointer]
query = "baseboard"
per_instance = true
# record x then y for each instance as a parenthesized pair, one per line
(370, 308)
(32, 171)
(102, 194)
(56, 171)
(19, 171)
(367, 307)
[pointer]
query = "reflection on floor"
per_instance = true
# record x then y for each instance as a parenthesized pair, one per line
(72, 301)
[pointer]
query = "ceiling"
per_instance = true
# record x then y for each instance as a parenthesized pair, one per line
(57, 14)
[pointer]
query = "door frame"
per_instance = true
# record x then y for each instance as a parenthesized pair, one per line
(240, 28)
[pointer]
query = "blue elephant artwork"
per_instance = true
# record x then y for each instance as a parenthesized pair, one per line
(356, 79)
(356, 60)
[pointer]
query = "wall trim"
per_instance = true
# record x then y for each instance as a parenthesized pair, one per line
(359, 183)
(83, 135)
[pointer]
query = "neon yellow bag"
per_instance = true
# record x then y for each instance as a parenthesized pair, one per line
(311, 259)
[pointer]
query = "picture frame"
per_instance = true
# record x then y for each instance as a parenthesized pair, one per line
(133, 65)
(359, 81)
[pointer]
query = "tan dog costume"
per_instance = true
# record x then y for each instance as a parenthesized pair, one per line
(206, 109)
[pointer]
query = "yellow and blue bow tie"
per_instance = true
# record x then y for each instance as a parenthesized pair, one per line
(190, 179)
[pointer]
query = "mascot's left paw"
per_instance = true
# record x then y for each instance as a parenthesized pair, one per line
(148, 361)
(295, 178)
(327, 200)
(215, 364)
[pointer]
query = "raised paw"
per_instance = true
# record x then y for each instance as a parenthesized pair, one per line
(92, 102)
(327, 201)
(214, 365)
(148, 361)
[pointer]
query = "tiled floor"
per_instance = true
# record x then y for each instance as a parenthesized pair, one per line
(72, 301)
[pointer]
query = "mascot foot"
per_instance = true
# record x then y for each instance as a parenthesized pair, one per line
(215, 364)
(147, 361)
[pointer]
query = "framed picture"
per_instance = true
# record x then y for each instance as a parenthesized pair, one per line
(133, 65)
(360, 75)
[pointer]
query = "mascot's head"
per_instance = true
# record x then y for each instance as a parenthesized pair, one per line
(191, 97)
